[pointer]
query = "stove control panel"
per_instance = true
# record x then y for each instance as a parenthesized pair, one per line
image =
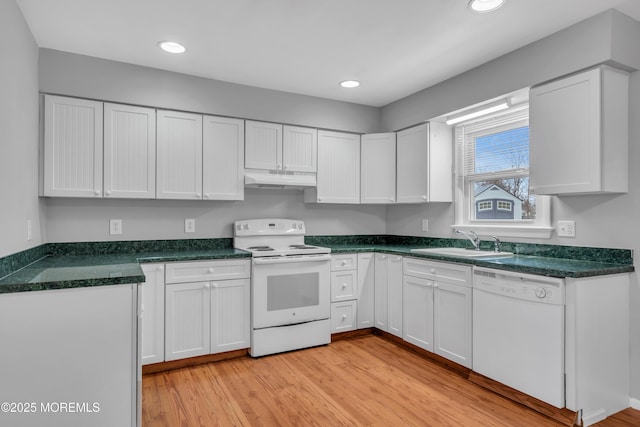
(268, 227)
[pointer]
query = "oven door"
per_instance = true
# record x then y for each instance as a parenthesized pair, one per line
(289, 290)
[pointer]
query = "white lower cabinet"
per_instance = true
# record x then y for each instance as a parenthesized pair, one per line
(437, 308)
(208, 316)
(365, 290)
(388, 293)
(152, 306)
(344, 316)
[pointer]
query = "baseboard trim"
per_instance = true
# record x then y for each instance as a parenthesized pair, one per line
(193, 361)
(634, 403)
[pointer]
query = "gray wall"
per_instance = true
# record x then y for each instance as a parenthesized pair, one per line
(84, 76)
(601, 221)
(70, 220)
(19, 138)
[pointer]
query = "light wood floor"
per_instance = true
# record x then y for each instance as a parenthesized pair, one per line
(367, 381)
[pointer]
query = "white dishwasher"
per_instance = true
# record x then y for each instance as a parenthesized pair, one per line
(518, 332)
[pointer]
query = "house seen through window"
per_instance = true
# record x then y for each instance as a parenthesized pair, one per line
(493, 168)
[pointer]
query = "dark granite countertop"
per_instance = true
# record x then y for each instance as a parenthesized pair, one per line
(73, 265)
(531, 264)
(59, 271)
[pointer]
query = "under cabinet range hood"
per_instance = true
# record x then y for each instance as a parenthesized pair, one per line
(266, 179)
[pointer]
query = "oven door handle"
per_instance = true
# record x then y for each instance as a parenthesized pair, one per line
(291, 259)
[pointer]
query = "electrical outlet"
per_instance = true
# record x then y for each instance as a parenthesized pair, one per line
(29, 230)
(115, 226)
(566, 229)
(189, 225)
(425, 225)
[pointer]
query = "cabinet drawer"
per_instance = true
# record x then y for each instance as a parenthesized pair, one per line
(441, 271)
(201, 271)
(343, 316)
(344, 262)
(344, 285)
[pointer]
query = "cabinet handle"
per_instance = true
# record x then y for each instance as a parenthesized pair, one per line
(284, 167)
(197, 195)
(432, 271)
(107, 193)
(206, 196)
(344, 317)
(435, 286)
(207, 285)
(214, 285)
(210, 270)
(160, 268)
(278, 166)
(97, 192)
(344, 263)
(344, 286)
(424, 197)
(142, 308)
(383, 257)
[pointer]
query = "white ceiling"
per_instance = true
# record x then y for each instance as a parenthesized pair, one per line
(394, 47)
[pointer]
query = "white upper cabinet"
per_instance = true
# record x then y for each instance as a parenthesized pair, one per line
(273, 146)
(579, 133)
(378, 163)
(299, 149)
(338, 169)
(424, 164)
(222, 158)
(129, 152)
(72, 147)
(263, 146)
(179, 174)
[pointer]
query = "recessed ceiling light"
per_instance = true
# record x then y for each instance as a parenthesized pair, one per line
(171, 47)
(350, 83)
(482, 6)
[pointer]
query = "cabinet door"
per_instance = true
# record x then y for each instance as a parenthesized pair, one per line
(338, 167)
(299, 149)
(263, 146)
(179, 155)
(452, 322)
(412, 160)
(72, 147)
(152, 291)
(230, 315)
(222, 158)
(344, 285)
(394, 294)
(381, 311)
(129, 152)
(366, 290)
(343, 316)
(418, 312)
(378, 163)
(579, 133)
(187, 332)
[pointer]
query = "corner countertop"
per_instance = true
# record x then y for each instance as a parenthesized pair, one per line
(530, 264)
(75, 265)
(58, 271)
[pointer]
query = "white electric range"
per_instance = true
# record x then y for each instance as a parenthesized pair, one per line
(290, 286)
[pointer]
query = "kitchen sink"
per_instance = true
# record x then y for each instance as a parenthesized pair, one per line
(462, 253)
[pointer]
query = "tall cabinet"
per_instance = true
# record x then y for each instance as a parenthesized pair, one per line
(338, 178)
(179, 155)
(378, 168)
(222, 158)
(129, 151)
(72, 147)
(424, 164)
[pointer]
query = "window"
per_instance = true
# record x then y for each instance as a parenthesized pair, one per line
(492, 178)
(485, 206)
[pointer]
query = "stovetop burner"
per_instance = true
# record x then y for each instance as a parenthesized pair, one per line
(260, 248)
(302, 247)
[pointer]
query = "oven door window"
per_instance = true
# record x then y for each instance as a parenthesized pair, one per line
(293, 291)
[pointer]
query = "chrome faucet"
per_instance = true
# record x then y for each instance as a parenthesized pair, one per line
(496, 245)
(474, 239)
